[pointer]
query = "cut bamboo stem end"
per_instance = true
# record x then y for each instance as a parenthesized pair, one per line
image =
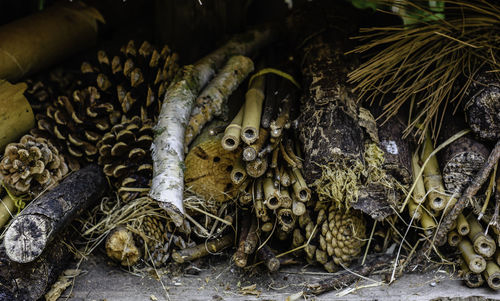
(266, 254)
(231, 139)
(427, 223)
(419, 191)
(211, 101)
(238, 173)
(471, 279)
(454, 238)
(414, 210)
(463, 227)
(484, 245)
(6, 210)
(202, 250)
(267, 227)
(433, 180)
(253, 110)
(300, 189)
(271, 194)
(492, 275)
(250, 152)
(475, 262)
(286, 220)
(257, 167)
(298, 208)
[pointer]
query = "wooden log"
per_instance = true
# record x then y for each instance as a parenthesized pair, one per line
(45, 217)
(482, 108)
(397, 151)
(461, 159)
(30, 281)
(266, 254)
(16, 115)
(39, 40)
(203, 249)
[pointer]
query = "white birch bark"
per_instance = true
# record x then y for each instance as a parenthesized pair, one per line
(168, 146)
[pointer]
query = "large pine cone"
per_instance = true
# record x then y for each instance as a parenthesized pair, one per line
(129, 84)
(157, 240)
(339, 237)
(31, 165)
(124, 153)
(44, 88)
(135, 80)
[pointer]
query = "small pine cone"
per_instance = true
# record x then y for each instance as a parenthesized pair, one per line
(341, 235)
(136, 79)
(124, 153)
(157, 240)
(31, 165)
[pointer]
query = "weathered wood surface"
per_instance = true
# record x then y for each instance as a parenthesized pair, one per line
(45, 217)
(30, 281)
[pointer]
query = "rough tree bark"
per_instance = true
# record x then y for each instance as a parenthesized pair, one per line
(30, 281)
(168, 146)
(36, 226)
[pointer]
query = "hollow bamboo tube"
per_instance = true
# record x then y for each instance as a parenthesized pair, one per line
(253, 110)
(475, 262)
(250, 152)
(257, 167)
(463, 227)
(238, 173)
(484, 245)
(203, 249)
(414, 210)
(427, 223)
(433, 180)
(231, 139)
(274, 157)
(492, 275)
(419, 191)
(271, 195)
(16, 116)
(471, 279)
(286, 200)
(302, 192)
(286, 220)
(454, 238)
(6, 208)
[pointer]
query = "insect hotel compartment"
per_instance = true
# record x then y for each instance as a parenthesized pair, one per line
(249, 150)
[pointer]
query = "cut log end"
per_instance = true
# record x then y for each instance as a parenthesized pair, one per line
(26, 238)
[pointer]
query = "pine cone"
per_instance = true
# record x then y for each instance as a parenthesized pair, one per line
(157, 240)
(130, 84)
(340, 235)
(124, 153)
(135, 80)
(31, 165)
(43, 89)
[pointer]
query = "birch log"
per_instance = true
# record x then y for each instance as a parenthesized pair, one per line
(168, 146)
